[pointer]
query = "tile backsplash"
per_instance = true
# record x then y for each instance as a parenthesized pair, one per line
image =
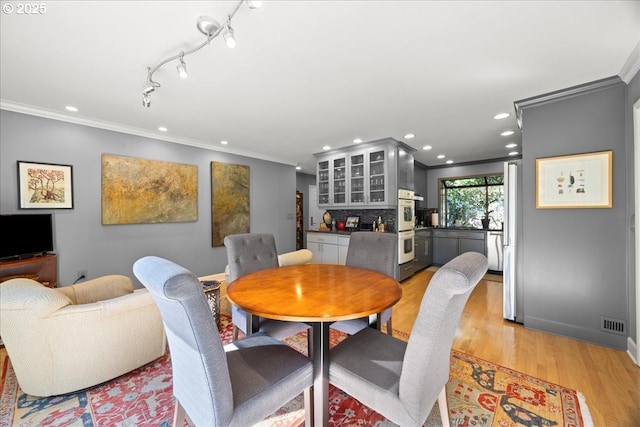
(367, 216)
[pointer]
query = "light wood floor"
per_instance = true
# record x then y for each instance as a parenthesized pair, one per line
(606, 377)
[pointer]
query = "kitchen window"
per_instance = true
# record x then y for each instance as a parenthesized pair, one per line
(467, 201)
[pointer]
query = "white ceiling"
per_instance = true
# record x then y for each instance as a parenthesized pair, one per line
(309, 73)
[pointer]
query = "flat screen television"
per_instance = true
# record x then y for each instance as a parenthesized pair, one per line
(25, 235)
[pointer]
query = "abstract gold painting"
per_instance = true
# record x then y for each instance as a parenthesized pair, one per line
(229, 201)
(139, 191)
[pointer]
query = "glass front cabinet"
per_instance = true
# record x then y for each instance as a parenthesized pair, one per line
(339, 174)
(378, 178)
(358, 176)
(323, 183)
(357, 179)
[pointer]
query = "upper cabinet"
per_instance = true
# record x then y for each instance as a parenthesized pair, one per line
(339, 182)
(322, 179)
(366, 175)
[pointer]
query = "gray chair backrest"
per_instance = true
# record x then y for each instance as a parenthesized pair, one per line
(374, 251)
(426, 362)
(201, 379)
(247, 253)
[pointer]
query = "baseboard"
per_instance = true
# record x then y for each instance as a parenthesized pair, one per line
(632, 350)
(576, 332)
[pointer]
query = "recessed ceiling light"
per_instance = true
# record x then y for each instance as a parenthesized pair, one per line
(162, 129)
(71, 108)
(501, 116)
(441, 156)
(298, 167)
(224, 142)
(357, 141)
(427, 147)
(511, 145)
(326, 147)
(507, 133)
(513, 153)
(409, 136)
(449, 162)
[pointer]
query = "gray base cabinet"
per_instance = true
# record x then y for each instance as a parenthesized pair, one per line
(449, 243)
(423, 251)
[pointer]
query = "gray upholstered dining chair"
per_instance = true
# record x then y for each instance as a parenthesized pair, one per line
(402, 380)
(247, 253)
(235, 385)
(373, 251)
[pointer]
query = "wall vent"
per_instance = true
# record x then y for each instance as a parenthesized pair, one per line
(616, 326)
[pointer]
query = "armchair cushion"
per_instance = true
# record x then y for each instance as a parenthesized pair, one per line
(99, 289)
(58, 347)
(301, 256)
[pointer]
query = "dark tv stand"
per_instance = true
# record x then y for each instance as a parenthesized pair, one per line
(43, 268)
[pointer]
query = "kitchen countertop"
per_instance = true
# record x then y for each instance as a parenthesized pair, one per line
(466, 229)
(342, 232)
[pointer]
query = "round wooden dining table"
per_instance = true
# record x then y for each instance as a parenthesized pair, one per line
(318, 294)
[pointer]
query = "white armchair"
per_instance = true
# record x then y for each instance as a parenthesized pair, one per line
(65, 339)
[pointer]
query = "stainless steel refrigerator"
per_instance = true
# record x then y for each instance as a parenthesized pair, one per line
(512, 307)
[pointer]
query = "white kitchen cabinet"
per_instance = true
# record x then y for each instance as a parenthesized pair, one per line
(327, 248)
(331, 176)
(323, 182)
(339, 180)
(343, 246)
(367, 175)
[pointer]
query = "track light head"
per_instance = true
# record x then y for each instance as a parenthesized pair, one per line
(254, 4)
(148, 88)
(229, 38)
(146, 102)
(182, 67)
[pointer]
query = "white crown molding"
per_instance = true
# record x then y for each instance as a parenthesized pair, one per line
(632, 65)
(114, 127)
(563, 94)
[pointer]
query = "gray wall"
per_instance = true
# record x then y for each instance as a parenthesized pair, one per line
(83, 243)
(575, 265)
(575, 261)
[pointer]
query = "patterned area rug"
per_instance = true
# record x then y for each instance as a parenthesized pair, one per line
(480, 393)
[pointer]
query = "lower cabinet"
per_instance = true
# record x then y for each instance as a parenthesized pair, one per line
(448, 244)
(422, 249)
(327, 248)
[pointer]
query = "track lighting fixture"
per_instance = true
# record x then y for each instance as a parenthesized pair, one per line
(211, 29)
(182, 67)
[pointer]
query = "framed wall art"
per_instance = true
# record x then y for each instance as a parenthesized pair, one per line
(44, 186)
(141, 191)
(575, 181)
(229, 201)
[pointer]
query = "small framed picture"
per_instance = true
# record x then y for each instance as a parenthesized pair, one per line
(44, 186)
(352, 222)
(574, 181)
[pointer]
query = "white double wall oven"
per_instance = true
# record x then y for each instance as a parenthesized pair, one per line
(405, 223)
